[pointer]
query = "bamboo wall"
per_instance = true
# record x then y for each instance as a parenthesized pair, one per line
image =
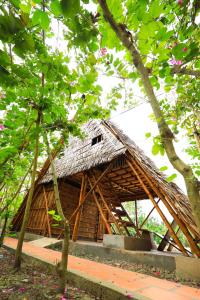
(69, 194)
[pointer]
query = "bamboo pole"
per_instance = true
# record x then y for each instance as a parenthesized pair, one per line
(130, 220)
(46, 206)
(107, 207)
(90, 191)
(78, 215)
(195, 249)
(136, 215)
(148, 215)
(100, 209)
(178, 242)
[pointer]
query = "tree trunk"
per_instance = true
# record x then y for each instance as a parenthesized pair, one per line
(18, 253)
(61, 266)
(4, 229)
(192, 184)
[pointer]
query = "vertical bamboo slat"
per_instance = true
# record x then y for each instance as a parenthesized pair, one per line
(47, 214)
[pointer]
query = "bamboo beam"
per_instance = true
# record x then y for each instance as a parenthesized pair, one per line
(47, 215)
(148, 215)
(100, 209)
(90, 191)
(178, 242)
(78, 216)
(106, 205)
(195, 249)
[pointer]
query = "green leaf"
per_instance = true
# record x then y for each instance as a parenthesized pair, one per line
(56, 8)
(178, 52)
(51, 212)
(147, 134)
(171, 177)
(164, 168)
(26, 8)
(4, 58)
(156, 8)
(41, 18)
(155, 149)
(70, 7)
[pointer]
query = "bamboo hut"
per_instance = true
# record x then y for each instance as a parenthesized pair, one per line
(96, 175)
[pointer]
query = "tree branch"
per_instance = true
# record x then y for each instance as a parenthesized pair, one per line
(185, 71)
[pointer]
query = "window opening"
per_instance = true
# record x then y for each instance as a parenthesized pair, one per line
(97, 139)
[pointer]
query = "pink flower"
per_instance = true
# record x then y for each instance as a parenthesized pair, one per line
(129, 296)
(1, 127)
(179, 62)
(22, 289)
(184, 49)
(157, 273)
(175, 62)
(103, 51)
(180, 2)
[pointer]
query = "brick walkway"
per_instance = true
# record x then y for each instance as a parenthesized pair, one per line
(150, 287)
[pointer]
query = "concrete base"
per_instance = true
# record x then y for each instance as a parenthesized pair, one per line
(127, 242)
(188, 268)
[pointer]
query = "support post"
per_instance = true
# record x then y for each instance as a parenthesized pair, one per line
(136, 215)
(78, 216)
(178, 242)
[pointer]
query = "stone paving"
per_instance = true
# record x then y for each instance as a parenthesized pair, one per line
(145, 286)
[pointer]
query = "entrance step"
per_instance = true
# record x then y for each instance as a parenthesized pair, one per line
(45, 242)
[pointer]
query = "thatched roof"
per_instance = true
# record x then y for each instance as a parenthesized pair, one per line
(81, 155)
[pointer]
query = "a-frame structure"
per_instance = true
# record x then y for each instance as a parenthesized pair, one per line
(96, 176)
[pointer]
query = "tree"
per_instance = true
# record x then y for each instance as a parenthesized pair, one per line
(145, 32)
(40, 89)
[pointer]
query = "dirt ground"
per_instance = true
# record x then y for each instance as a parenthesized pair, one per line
(33, 282)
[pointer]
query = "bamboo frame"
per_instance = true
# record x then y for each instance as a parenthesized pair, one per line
(178, 242)
(106, 205)
(90, 191)
(195, 249)
(99, 208)
(78, 215)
